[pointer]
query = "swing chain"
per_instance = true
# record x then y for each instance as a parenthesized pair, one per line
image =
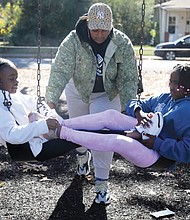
(140, 85)
(40, 99)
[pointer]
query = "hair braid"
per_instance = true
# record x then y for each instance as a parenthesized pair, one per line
(184, 76)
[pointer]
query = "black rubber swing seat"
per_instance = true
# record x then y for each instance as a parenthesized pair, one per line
(21, 152)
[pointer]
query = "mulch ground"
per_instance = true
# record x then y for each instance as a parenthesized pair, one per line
(51, 190)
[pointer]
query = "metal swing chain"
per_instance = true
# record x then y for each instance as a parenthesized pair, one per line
(140, 85)
(40, 99)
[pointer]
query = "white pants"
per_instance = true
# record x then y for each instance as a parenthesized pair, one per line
(98, 102)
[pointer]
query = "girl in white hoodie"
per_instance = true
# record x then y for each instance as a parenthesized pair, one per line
(26, 137)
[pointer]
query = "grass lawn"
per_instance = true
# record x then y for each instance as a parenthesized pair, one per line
(147, 50)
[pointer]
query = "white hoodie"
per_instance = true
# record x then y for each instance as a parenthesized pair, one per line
(24, 131)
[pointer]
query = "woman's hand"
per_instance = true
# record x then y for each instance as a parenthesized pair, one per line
(51, 105)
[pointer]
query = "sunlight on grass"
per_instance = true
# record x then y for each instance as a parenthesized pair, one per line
(147, 50)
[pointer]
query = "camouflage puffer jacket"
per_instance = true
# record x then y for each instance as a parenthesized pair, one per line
(75, 59)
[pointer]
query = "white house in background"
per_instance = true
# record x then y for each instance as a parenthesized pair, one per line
(174, 19)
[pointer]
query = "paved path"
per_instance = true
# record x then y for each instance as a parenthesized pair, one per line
(31, 63)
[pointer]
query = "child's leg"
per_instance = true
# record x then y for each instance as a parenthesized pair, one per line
(110, 119)
(130, 149)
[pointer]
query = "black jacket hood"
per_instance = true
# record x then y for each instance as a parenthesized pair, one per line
(82, 29)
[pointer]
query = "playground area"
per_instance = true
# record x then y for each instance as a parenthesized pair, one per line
(51, 190)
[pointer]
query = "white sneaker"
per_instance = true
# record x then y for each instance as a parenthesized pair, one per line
(154, 129)
(83, 166)
(102, 194)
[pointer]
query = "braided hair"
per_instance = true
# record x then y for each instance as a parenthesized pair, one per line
(184, 76)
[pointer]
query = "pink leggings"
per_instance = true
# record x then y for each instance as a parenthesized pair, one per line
(129, 148)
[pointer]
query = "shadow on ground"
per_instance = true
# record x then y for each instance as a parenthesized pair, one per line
(71, 206)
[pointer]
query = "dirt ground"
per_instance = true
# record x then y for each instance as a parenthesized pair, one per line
(51, 190)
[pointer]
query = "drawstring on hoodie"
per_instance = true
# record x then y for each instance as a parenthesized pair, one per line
(8, 103)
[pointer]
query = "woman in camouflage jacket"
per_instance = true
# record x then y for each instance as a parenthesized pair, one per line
(96, 66)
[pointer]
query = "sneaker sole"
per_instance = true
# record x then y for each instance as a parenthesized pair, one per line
(102, 202)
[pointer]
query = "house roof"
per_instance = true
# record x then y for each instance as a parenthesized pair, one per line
(174, 4)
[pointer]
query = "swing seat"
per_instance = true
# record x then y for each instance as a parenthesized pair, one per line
(164, 164)
(20, 153)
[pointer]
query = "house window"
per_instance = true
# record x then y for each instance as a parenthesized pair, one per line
(171, 25)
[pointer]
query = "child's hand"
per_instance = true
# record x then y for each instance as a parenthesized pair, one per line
(35, 116)
(146, 120)
(149, 143)
(52, 123)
